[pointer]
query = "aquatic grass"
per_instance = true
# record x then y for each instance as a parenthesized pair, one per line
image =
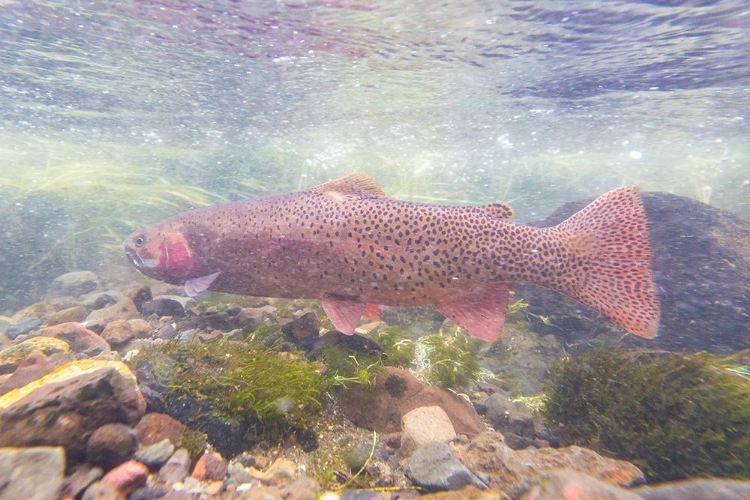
(676, 416)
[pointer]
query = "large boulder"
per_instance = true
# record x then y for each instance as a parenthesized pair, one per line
(701, 262)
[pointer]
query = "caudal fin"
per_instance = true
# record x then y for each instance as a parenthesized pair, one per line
(610, 268)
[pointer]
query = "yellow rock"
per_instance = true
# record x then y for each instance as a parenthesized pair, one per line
(47, 345)
(36, 310)
(67, 372)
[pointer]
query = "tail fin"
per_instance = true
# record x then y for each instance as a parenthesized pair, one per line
(611, 270)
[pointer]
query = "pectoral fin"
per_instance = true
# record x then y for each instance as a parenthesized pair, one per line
(343, 312)
(194, 286)
(481, 312)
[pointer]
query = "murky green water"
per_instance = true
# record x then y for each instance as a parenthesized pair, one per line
(117, 114)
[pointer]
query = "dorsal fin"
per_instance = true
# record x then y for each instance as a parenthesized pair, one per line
(499, 210)
(359, 184)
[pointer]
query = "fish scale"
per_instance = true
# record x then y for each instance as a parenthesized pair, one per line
(348, 244)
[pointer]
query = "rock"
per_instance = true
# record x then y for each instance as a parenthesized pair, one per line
(508, 416)
(98, 300)
(506, 469)
(428, 424)
(37, 310)
(696, 489)
(701, 263)
(573, 485)
(238, 474)
(68, 403)
(280, 473)
(68, 315)
(12, 357)
(248, 319)
(31, 473)
(74, 284)
(303, 331)
(302, 488)
(102, 491)
(434, 467)
(176, 469)
(80, 338)
(123, 309)
(165, 331)
(156, 455)
(210, 467)
(119, 332)
(110, 445)
(22, 327)
(34, 367)
(396, 392)
(165, 305)
(81, 478)
(354, 343)
(127, 477)
(155, 427)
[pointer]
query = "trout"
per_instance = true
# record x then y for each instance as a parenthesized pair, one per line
(354, 248)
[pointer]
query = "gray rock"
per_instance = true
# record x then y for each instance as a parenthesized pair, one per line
(176, 469)
(22, 327)
(156, 455)
(81, 478)
(697, 489)
(434, 468)
(165, 305)
(100, 300)
(507, 416)
(238, 474)
(31, 473)
(74, 284)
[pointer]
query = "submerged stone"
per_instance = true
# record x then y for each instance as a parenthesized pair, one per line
(31, 473)
(434, 467)
(13, 356)
(68, 403)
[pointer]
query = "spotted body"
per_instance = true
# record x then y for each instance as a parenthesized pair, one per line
(349, 245)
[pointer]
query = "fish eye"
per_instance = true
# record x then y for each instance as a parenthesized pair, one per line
(139, 241)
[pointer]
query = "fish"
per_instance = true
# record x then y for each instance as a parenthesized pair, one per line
(354, 248)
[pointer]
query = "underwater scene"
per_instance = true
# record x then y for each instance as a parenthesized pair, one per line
(367, 249)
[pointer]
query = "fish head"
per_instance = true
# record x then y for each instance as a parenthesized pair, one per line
(162, 253)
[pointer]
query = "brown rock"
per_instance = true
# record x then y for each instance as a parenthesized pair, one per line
(507, 469)
(62, 407)
(37, 310)
(102, 491)
(210, 467)
(397, 392)
(81, 478)
(124, 309)
(176, 469)
(110, 445)
(12, 357)
(425, 425)
(154, 427)
(119, 332)
(71, 314)
(573, 485)
(127, 477)
(34, 367)
(80, 338)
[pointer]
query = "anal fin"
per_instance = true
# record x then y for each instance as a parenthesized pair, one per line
(480, 311)
(343, 312)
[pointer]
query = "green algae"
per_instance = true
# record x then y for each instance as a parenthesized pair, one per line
(674, 415)
(268, 391)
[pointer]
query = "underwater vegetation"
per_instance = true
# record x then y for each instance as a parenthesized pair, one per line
(674, 415)
(270, 393)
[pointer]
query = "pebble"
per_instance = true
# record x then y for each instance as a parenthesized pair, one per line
(155, 455)
(12, 357)
(123, 309)
(110, 445)
(697, 489)
(22, 327)
(82, 477)
(507, 416)
(155, 427)
(31, 473)
(434, 467)
(164, 305)
(70, 314)
(80, 338)
(210, 467)
(98, 300)
(127, 477)
(176, 469)
(74, 283)
(35, 366)
(102, 491)
(423, 425)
